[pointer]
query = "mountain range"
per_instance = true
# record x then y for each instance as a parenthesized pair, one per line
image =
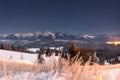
(50, 38)
(47, 35)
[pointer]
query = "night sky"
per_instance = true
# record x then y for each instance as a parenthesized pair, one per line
(67, 16)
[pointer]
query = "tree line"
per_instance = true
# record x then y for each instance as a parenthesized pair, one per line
(13, 48)
(86, 54)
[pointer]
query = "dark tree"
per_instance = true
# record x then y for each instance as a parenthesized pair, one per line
(56, 52)
(2, 46)
(48, 52)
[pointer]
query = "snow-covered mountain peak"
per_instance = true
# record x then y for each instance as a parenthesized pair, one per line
(48, 33)
(59, 33)
(23, 35)
(37, 34)
(88, 36)
(27, 35)
(18, 35)
(4, 35)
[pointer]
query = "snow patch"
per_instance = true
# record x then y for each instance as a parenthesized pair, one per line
(111, 74)
(33, 49)
(12, 55)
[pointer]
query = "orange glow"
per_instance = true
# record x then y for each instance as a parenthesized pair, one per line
(115, 43)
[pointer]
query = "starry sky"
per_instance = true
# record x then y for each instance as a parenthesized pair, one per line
(66, 16)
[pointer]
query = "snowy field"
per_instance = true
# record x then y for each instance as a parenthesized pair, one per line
(53, 68)
(13, 55)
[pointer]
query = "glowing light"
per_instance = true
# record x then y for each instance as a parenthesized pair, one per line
(115, 43)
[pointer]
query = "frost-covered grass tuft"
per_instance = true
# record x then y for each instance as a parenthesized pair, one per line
(57, 70)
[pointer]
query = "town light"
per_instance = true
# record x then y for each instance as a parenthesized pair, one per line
(114, 42)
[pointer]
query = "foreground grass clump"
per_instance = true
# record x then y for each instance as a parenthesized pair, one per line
(61, 70)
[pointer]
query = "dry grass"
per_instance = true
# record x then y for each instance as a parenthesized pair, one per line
(86, 72)
(71, 72)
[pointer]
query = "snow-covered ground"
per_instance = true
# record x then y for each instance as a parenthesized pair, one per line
(13, 66)
(13, 55)
(80, 73)
(33, 49)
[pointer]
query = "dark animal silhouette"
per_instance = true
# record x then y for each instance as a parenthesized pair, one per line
(87, 54)
(84, 53)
